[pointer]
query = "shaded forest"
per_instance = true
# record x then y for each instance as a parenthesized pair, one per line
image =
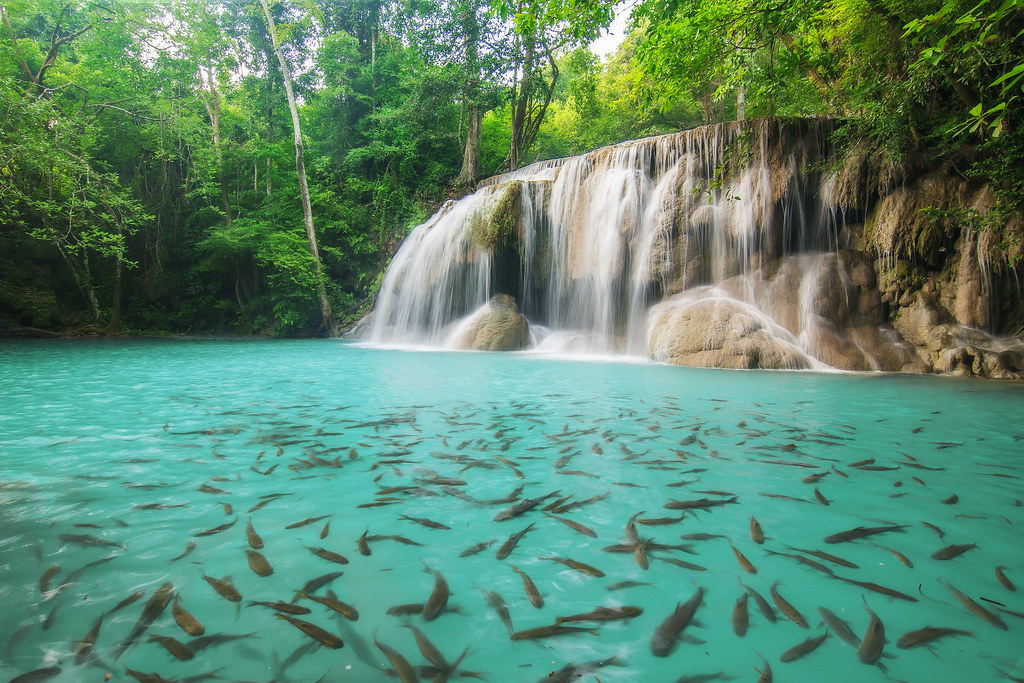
(249, 166)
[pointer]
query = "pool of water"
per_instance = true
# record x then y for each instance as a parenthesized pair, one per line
(117, 457)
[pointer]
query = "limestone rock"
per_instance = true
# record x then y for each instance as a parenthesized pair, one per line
(705, 329)
(496, 326)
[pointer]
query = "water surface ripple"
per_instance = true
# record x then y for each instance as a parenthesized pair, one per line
(637, 488)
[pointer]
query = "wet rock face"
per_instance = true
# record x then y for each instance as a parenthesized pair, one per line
(498, 326)
(719, 332)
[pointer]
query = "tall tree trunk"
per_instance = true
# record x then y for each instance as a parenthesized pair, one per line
(115, 306)
(471, 96)
(212, 104)
(471, 156)
(330, 324)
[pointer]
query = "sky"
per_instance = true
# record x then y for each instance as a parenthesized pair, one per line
(609, 42)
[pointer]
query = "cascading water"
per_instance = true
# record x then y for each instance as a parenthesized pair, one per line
(627, 248)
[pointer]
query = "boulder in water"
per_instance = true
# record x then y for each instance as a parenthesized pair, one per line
(705, 329)
(495, 326)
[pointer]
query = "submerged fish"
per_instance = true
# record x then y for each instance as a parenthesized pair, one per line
(185, 620)
(839, 627)
(862, 532)
(787, 608)
(870, 649)
(325, 638)
(509, 545)
(604, 614)
(438, 597)
(530, 587)
(923, 636)
(224, 587)
(551, 630)
(667, 634)
(156, 605)
(797, 651)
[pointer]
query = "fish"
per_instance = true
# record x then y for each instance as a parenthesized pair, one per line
(218, 529)
(401, 665)
(572, 673)
(86, 540)
(1002, 578)
(787, 608)
(978, 609)
(281, 606)
(325, 638)
(604, 614)
(952, 500)
(627, 584)
(741, 615)
(756, 533)
(180, 651)
(821, 498)
(206, 488)
(826, 556)
(640, 554)
(940, 532)
(549, 631)
(700, 537)
(332, 602)
(258, 563)
(578, 566)
(839, 627)
(326, 530)
(742, 559)
(870, 649)
(427, 648)
(862, 532)
(891, 592)
(574, 525)
(509, 545)
(438, 597)
(188, 623)
(499, 605)
(362, 545)
(661, 520)
(522, 506)
(762, 604)
(319, 581)
(189, 548)
(44, 580)
(797, 651)
(306, 521)
(43, 674)
(325, 554)
(814, 478)
(951, 551)
(899, 556)
(255, 542)
(697, 504)
(83, 648)
(667, 634)
(429, 523)
(923, 636)
(154, 607)
(203, 642)
(224, 587)
(127, 601)
(477, 548)
(530, 587)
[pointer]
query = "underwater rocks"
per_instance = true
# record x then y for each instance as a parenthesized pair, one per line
(707, 329)
(497, 326)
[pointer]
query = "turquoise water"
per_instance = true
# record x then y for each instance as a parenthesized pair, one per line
(115, 455)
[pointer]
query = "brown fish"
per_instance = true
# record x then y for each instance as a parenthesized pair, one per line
(308, 520)
(499, 605)
(742, 559)
(870, 649)
(423, 521)
(332, 602)
(177, 648)
(756, 532)
(604, 614)
(1002, 578)
(574, 525)
(156, 605)
(667, 634)
(787, 608)
(548, 631)
(951, 551)
(44, 580)
(255, 542)
(224, 587)
(978, 609)
(325, 554)
(741, 615)
(188, 623)
(406, 673)
(83, 648)
(923, 636)
(862, 532)
(797, 651)
(282, 606)
(319, 581)
(530, 587)
(509, 545)
(839, 627)
(258, 563)
(438, 597)
(328, 640)
(578, 566)
(218, 529)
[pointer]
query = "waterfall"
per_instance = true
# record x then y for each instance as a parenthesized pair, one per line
(588, 246)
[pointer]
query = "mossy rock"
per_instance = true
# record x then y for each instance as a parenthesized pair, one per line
(500, 224)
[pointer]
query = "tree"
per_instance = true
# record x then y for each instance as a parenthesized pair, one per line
(329, 322)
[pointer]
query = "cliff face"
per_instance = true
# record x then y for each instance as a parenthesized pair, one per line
(735, 245)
